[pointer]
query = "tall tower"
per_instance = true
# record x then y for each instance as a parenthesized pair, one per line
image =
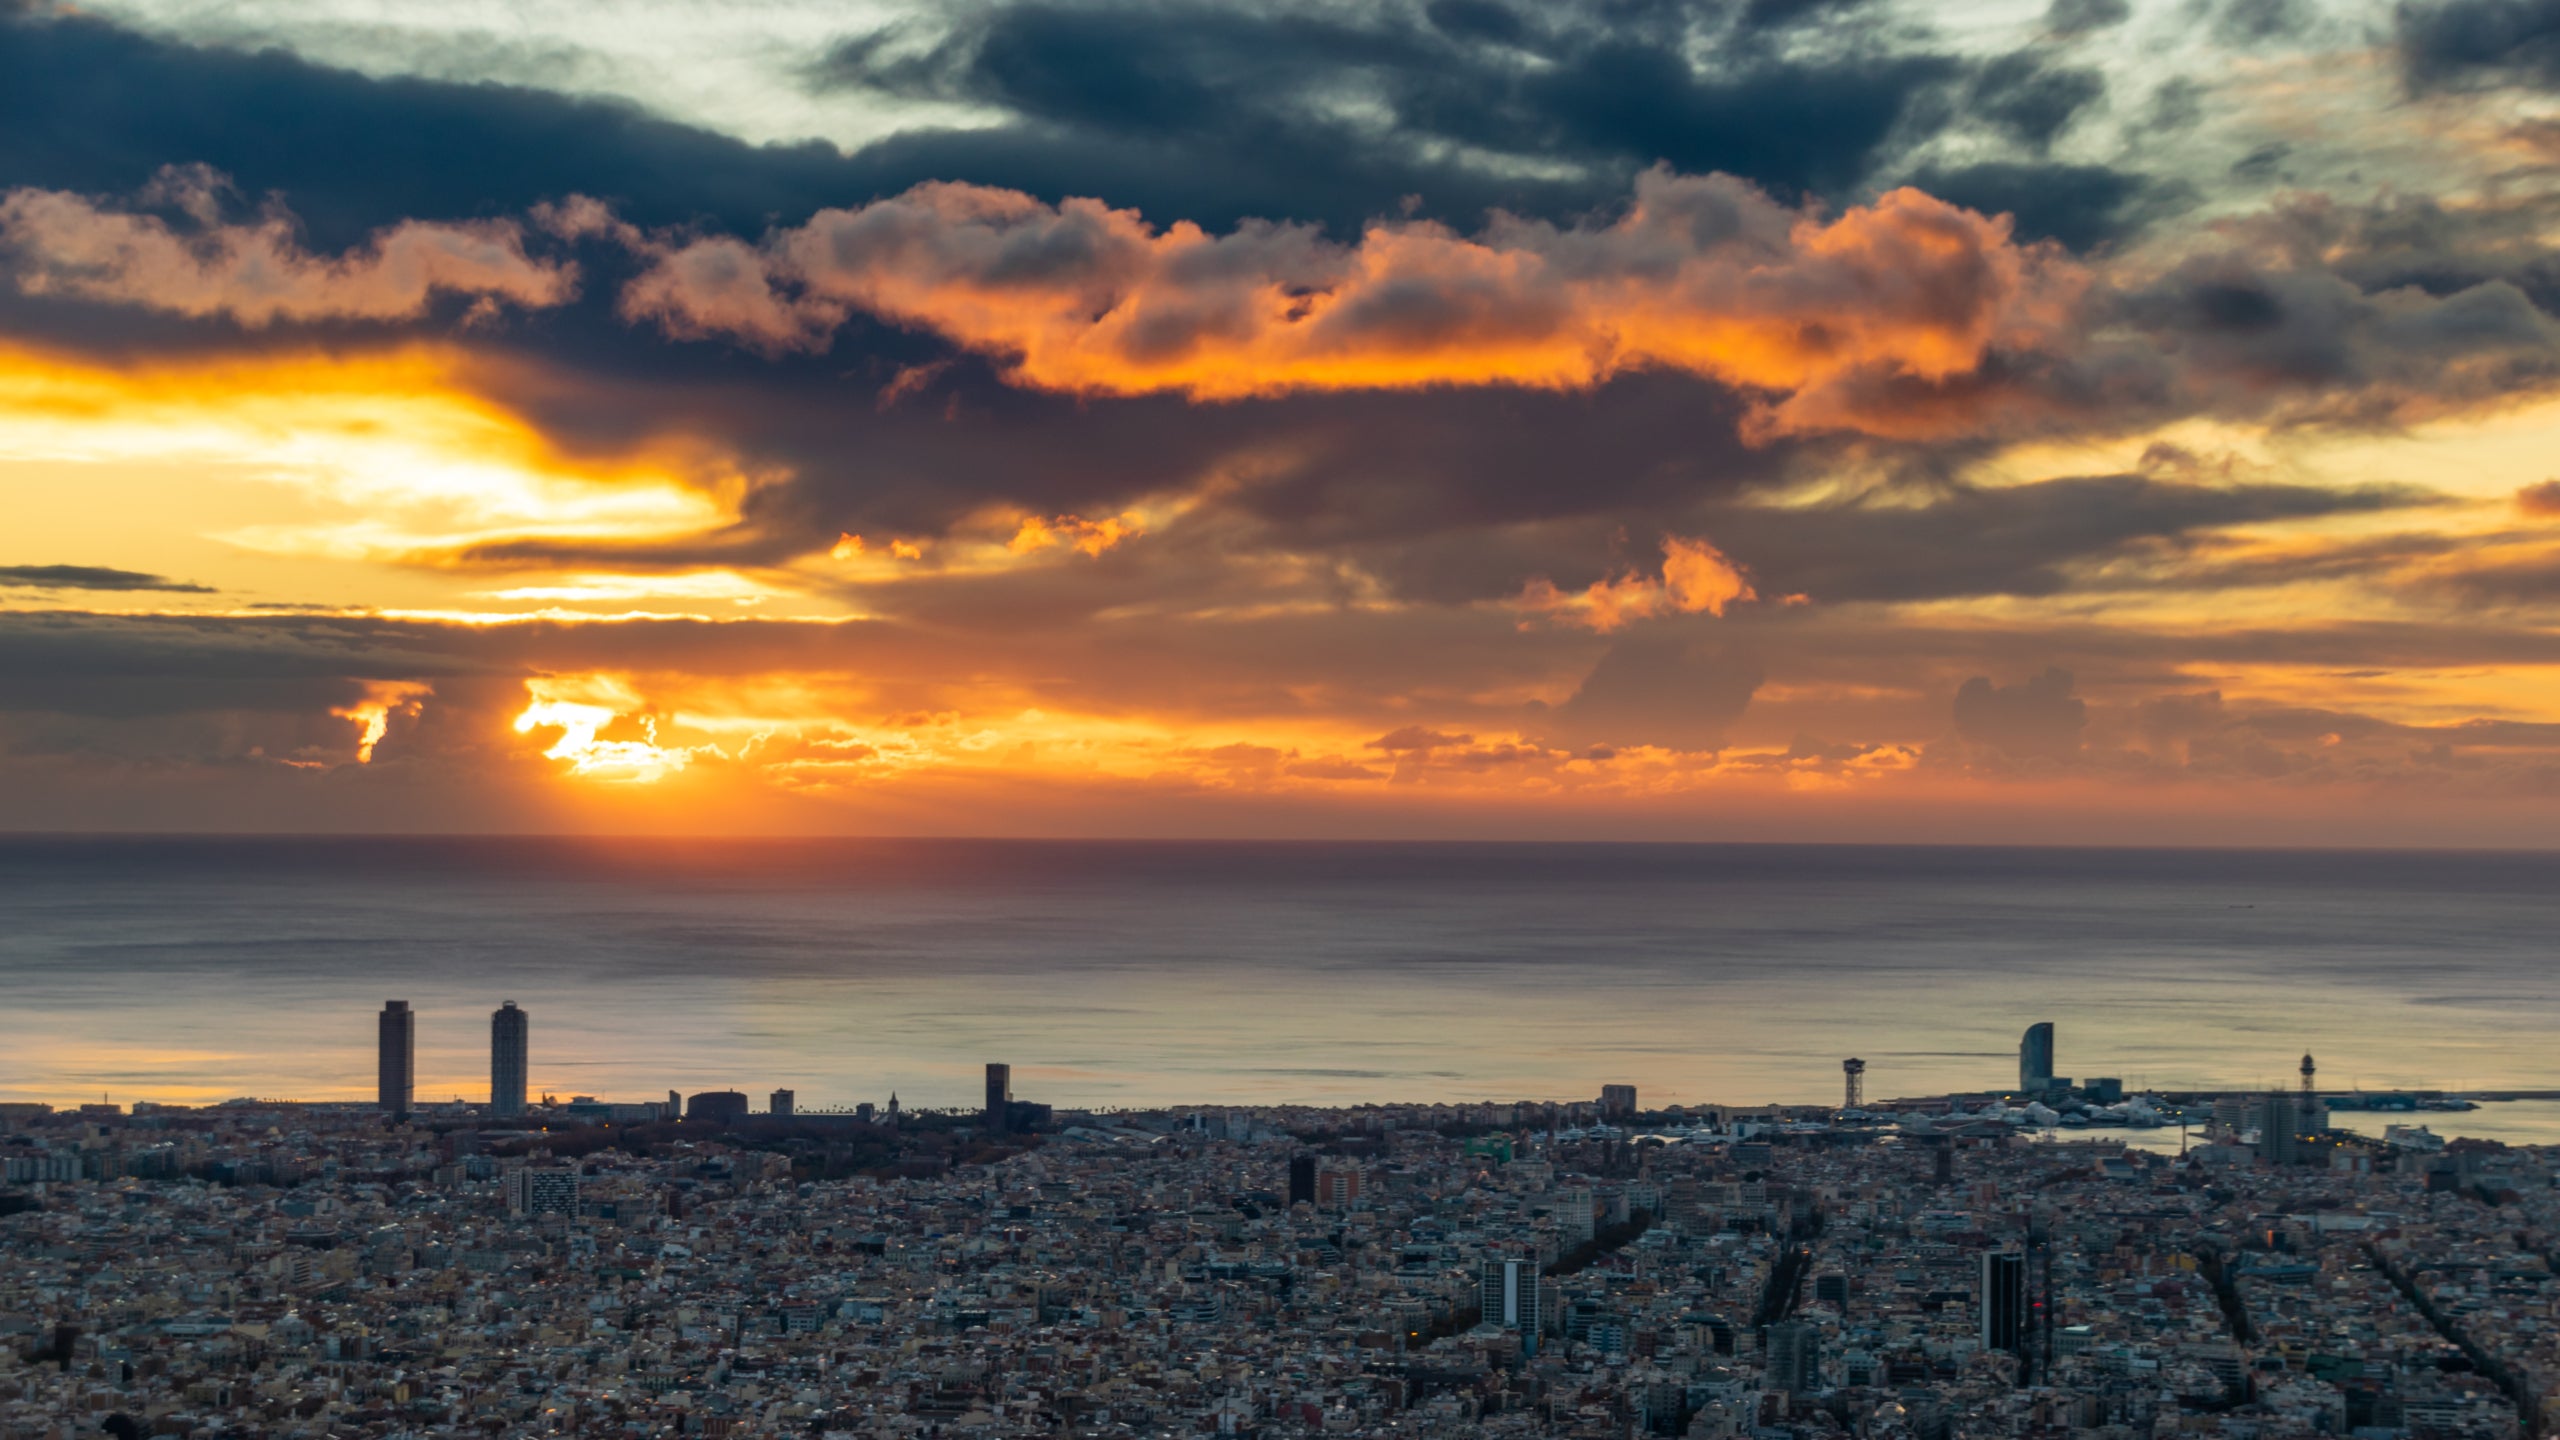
(398, 1059)
(2001, 1303)
(1855, 1072)
(2035, 1057)
(509, 1046)
(2307, 1071)
(999, 1096)
(1508, 1294)
(1795, 1357)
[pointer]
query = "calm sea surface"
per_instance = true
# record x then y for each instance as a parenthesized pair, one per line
(1138, 974)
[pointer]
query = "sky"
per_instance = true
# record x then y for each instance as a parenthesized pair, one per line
(2094, 421)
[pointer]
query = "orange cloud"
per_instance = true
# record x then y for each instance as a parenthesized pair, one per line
(1090, 536)
(1696, 577)
(2541, 501)
(382, 699)
(1704, 273)
(258, 273)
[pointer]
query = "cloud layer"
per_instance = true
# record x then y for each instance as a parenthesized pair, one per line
(1702, 274)
(1839, 419)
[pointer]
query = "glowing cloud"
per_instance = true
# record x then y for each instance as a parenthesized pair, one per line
(382, 699)
(1092, 537)
(1696, 577)
(258, 273)
(582, 708)
(409, 457)
(1704, 273)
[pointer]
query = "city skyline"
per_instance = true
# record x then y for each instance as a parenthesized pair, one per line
(1000, 1110)
(2098, 421)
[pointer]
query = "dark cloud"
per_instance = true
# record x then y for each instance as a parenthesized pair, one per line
(92, 577)
(2037, 718)
(2032, 99)
(2083, 206)
(2541, 499)
(2314, 337)
(2031, 539)
(123, 668)
(2083, 17)
(1668, 688)
(2258, 22)
(1384, 474)
(2177, 105)
(1482, 20)
(90, 107)
(1227, 103)
(2414, 242)
(2444, 43)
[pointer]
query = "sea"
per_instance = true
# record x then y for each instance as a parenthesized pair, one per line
(1148, 974)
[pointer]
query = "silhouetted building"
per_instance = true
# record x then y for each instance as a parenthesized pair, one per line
(2279, 1131)
(1302, 1179)
(1617, 1102)
(723, 1106)
(1795, 1357)
(1943, 1166)
(509, 1046)
(2003, 1302)
(784, 1102)
(999, 1096)
(2035, 1057)
(398, 1061)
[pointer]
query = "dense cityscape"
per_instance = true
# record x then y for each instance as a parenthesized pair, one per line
(1923, 1268)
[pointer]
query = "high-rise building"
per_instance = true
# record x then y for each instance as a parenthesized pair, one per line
(1337, 1186)
(784, 1103)
(2003, 1301)
(1795, 1357)
(2035, 1057)
(398, 1060)
(999, 1096)
(1302, 1179)
(2279, 1130)
(508, 1049)
(545, 1190)
(2230, 1116)
(1510, 1293)
(1617, 1102)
